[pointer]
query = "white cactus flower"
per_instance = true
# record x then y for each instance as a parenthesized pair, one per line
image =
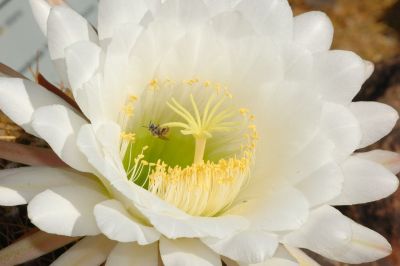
(209, 129)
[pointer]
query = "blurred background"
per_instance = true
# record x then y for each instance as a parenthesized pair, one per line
(371, 28)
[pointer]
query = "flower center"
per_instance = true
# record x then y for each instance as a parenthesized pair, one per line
(188, 143)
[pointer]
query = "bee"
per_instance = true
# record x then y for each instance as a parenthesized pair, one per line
(157, 131)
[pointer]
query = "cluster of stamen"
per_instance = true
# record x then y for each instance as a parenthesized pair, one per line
(205, 187)
(200, 189)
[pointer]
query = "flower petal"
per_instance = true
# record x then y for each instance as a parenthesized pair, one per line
(272, 18)
(339, 75)
(335, 236)
(186, 12)
(390, 160)
(275, 262)
(117, 224)
(301, 257)
(19, 185)
(32, 246)
(313, 30)
(66, 210)
(323, 185)
(342, 128)
(246, 246)
(281, 258)
(41, 11)
(59, 127)
(115, 13)
(365, 181)
(298, 63)
(277, 210)
(174, 223)
(187, 251)
(132, 254)
(20, 98)
(29, 155)
(376, 120)
(64, 28)
(90, 251)
(118, 75)
(82, 60)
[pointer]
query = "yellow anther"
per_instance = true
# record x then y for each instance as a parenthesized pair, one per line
(217, 87)
(228, 94)
(192, 81)
(133, 98)
(128, 110)
(153, 84)
(252, 127)
(128, 136)
(243, 111)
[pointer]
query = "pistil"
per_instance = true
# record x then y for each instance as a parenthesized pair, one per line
(199, 150)
(201, 126)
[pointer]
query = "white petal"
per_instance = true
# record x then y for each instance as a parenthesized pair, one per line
(232, 25)
(367, 246)
(132, 254)
(272, 18)
(186, 251)
(171, 221)
(323, 185)
(216, 7)
(64, 28)
(89, 145)
(365, 181)
(82, 60)
(90, 100)
(339, 75)
(197, 53)
(313, 30)
(114, 13)
(369, 69)
(288, 133)
(276, 262)
(19, 185)
(342, 128)
(187, 12)
(376, 120)
(335, 236)
(117, 224)
(390, 160)
(20, 98)
(301, 257)
(302, 164)
(118, 75)
(90, 251)
(66, 210)
(247, 246)
(254, 61)
(280, 258)
(41, 11)
(59, 127)
(279, 210)
(298, 63)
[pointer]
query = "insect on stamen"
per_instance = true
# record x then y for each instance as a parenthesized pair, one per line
(158, 131)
